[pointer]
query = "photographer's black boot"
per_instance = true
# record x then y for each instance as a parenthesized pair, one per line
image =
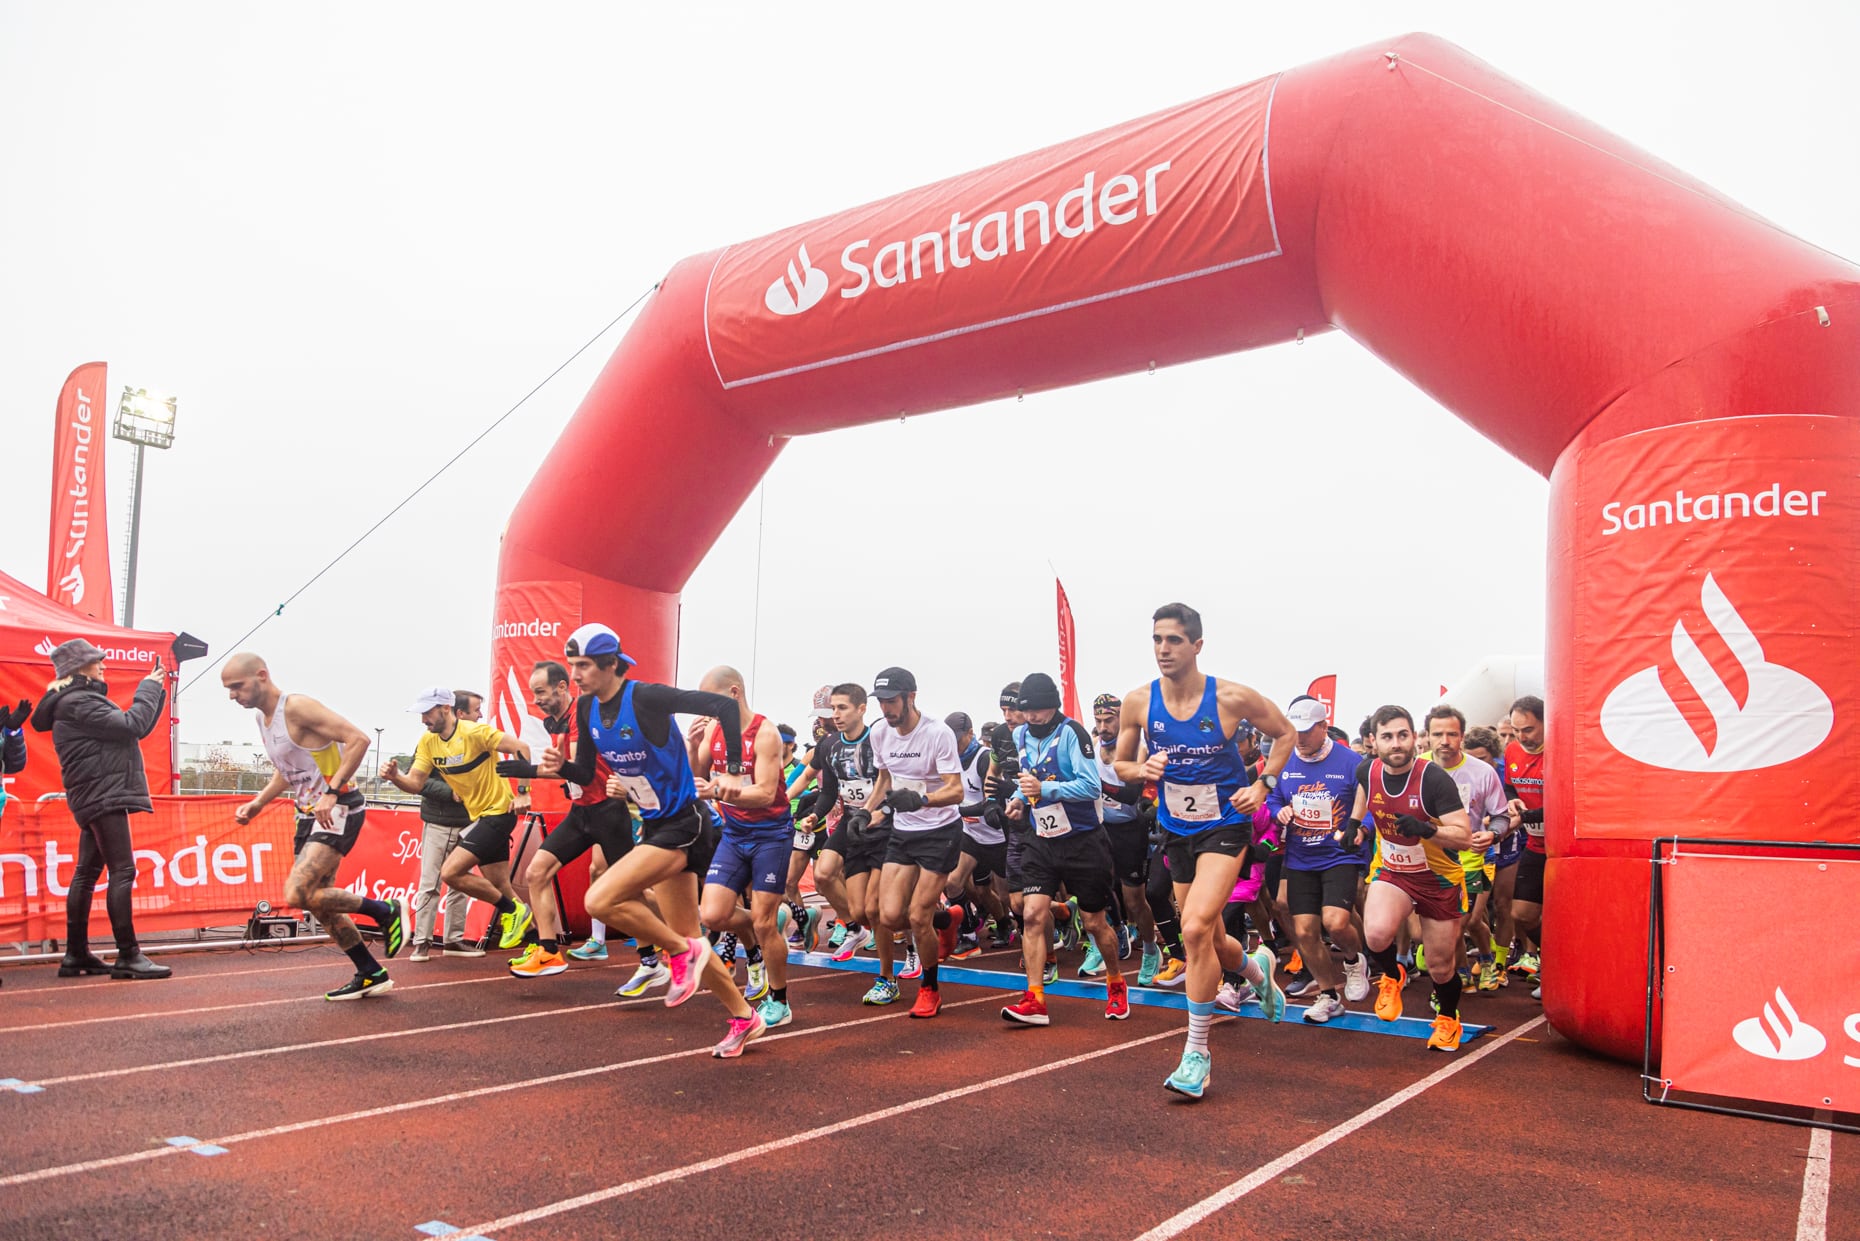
(130, 963)
(79, 959)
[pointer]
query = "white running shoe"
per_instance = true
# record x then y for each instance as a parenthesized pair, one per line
(913, 968)
(1356, 979)
(854, 941)
(1231, 997)
(1324, 1008)
(645, 978)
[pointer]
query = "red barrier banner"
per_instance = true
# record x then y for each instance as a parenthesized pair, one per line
(1712, 614)
(196, 866)
(1783, 1026)
(1177, 195)
(77, 572)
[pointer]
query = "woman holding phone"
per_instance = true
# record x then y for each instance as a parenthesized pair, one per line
(99, 754)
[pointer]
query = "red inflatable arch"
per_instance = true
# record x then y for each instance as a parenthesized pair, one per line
(1683, 371)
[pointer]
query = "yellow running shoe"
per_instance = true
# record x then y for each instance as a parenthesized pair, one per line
(540, 964)
(529, 950)
(1388, 995)
(1489, 977)
(515, 923)
(1173, 973)
(1446, 1035)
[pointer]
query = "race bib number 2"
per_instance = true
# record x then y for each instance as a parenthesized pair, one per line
(1192, 803)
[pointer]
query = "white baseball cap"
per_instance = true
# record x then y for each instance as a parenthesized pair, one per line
(1306, 714)
(436, 696)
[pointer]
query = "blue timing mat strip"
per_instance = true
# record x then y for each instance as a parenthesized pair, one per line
(1081, 989)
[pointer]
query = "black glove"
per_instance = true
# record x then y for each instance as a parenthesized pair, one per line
(855, 825)
(1411, 826)
(905, 800)
(1264, 850)
(517, 768)
(1351, 836)
(12, 721)
(1532, 818)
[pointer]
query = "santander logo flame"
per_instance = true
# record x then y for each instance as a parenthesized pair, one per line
(1779, 1034)
(1737, 713)
(800, 289)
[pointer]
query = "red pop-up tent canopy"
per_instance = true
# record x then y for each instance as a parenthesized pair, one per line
(30, 626)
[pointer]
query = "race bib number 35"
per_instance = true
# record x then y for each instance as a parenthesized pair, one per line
(854, 792)
(1192, 803)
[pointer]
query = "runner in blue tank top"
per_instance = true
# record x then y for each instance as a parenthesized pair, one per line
(1186, 721)
(629, 724)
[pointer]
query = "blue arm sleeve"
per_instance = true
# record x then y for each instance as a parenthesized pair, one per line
(1081, 772)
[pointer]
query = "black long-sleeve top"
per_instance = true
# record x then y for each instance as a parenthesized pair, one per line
(654, 706)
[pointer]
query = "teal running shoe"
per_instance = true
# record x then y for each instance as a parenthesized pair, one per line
(1191, 1076)
(591, 950)
(774, 1013)
(1271, 995)
(1152, 963)
(1093, 965)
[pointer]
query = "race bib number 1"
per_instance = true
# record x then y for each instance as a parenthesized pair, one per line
(639, 791)
(1192, 803)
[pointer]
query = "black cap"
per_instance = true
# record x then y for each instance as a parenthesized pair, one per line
(1038, 693)
(1010, 696)
(893, 682)
(959, 722)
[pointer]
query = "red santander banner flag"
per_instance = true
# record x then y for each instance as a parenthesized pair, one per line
(77, 572)
(1324, 689)
(1068, 655)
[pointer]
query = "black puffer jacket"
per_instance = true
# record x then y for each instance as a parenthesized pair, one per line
(98, 744)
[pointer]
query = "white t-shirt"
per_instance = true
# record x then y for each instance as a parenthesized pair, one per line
(917, 760)
(1481, 791)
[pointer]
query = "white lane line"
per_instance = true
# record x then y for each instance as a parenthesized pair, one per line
(321, 1122)
(360, 1038)
(1811, 1221)
(1182, 1221)
(225, 1008)
(793, 1140)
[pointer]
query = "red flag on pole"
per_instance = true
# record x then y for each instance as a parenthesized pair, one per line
(1324, 689)
(1068, 654)
(77, 572)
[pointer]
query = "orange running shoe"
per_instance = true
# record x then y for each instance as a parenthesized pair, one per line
(929, 1000)
(540, 964)
(1388, 995)
(1296, 963)
(1446, 1035)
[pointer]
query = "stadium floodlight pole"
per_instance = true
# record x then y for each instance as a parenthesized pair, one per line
(147, 422)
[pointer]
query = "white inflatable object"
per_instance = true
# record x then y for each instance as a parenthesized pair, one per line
(1485, 692)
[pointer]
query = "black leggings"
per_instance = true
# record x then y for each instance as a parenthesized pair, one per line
(105, 843)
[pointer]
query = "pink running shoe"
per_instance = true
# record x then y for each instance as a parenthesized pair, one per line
(687, 971)
(742, 1030)
(862, 938)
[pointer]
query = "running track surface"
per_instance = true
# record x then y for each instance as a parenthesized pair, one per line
(470, 1103)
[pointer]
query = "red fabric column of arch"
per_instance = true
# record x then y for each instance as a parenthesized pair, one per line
(1565, 294)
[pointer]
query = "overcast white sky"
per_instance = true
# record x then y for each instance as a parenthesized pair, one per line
(347, 238)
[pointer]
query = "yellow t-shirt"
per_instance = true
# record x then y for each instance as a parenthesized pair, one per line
(468, 763)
